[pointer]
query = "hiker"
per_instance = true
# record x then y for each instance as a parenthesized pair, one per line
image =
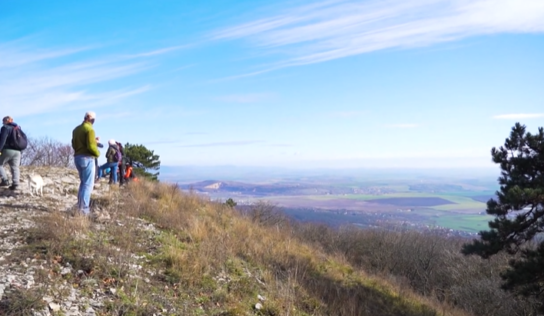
(105, 173)
(9, 154)
(99, 145)
(129, 174)
(113, 155)
(121, 166)
(86, 151)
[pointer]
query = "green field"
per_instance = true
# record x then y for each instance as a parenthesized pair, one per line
(460, 202)
(463, 214)
(471, 223)
(450, 203)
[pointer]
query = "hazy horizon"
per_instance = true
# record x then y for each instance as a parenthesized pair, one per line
(193, 173)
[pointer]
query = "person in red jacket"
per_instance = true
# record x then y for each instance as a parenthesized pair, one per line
(129, 173)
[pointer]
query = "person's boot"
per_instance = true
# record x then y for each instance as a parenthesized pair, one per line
(4, 183)
(13, 187)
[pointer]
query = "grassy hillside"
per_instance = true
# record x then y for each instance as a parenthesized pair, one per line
(166, 252)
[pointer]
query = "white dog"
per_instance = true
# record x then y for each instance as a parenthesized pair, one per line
(35, 183)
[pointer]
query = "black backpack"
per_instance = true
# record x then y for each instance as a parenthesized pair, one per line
(18, 139)
(118, 156)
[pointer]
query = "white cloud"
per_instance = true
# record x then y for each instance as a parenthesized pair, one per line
(336, 29)
(518, 116)
(16, 53)
(34, 82)
(160, 51)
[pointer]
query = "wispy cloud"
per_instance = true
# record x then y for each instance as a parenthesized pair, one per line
(245, 98)
(17, 53)
(336, 29)
(518, 116)
(227, 143)
(401, 125)
(31, 84)
(160, 51)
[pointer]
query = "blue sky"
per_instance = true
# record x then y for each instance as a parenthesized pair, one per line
(337, 84)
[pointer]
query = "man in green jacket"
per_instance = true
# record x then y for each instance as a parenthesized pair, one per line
(85, 152)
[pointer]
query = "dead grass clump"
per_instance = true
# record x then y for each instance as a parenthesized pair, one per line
(55, 229)
(163, 204)
(22, 302)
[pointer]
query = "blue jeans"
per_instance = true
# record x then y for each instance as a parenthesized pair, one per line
(85, 168)
(113, 166)
(13, 158)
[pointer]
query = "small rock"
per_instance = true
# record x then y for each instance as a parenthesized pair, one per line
(95, 303)
(261, 298)
(258, 306)
(90, 311)
(54, 307)
(66, 270)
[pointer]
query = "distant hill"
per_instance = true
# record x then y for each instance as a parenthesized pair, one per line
(261, 190)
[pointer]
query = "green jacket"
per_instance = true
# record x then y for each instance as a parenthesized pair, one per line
(111, 153)
(84, 140)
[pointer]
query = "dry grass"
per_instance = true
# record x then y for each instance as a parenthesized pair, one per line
(207, 259)
(208, 240)
(22, 302)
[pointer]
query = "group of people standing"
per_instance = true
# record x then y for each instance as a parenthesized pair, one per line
(85, 145)
(115, 162)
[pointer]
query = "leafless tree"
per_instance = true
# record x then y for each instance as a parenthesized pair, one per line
(47, 152)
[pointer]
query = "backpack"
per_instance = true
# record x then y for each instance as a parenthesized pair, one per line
(18, 139)
(118, 156)
(120, 146)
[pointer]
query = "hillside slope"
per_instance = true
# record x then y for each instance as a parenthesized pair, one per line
(166, 252)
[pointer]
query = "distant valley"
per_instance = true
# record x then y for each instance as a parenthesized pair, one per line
(454, 205)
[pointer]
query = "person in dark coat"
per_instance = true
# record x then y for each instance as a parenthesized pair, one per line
(9, 155)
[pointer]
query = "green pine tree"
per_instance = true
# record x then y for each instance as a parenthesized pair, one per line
(230, 203)
(519, 213)
(144, 161)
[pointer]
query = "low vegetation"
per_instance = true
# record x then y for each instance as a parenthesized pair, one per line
(169, 252)
(173, 253)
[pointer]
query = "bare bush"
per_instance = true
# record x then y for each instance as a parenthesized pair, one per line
(267, 214)
(47, 152)
(429, 264)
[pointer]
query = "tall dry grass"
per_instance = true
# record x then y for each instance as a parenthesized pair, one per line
(199, 257)
(208, 240)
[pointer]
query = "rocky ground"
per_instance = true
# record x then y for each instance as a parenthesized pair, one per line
(40, 279)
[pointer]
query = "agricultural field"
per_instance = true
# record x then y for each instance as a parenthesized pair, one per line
(449, 202)
(444, 211)
(462, 211)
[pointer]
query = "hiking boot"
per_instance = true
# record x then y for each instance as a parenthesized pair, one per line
(14, 187)
(4, 183)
